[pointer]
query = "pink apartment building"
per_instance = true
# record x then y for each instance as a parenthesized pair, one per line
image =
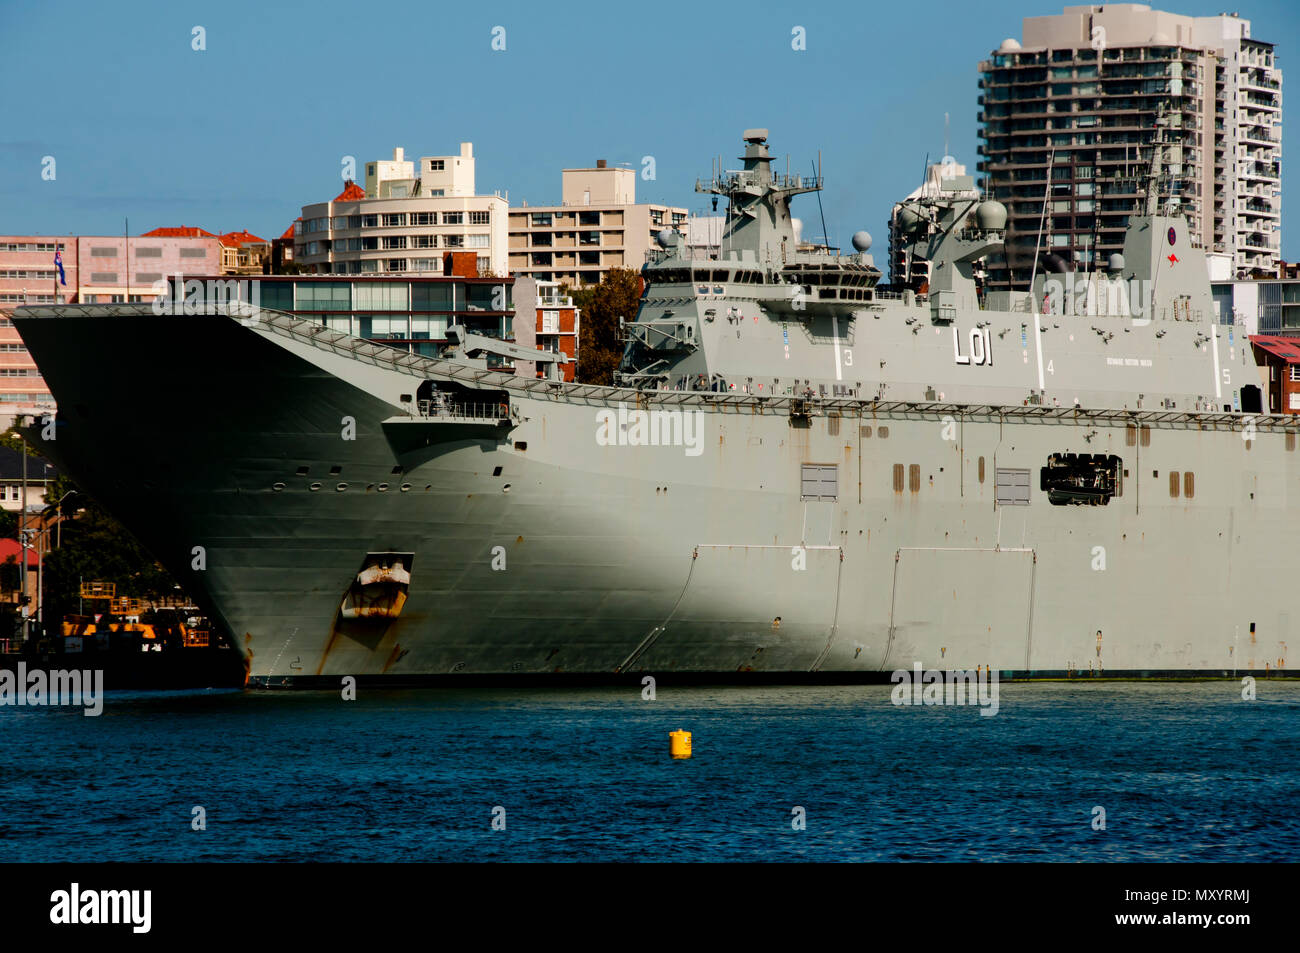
(98, 270)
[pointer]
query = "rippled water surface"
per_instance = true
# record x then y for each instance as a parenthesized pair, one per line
(1183, 771)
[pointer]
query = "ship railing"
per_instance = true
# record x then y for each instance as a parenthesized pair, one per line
(445, 410)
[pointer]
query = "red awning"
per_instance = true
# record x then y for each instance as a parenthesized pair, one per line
(11, 547)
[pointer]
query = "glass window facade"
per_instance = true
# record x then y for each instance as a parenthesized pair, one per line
(323, 296)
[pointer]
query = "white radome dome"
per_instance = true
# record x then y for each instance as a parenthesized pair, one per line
(1009, 45)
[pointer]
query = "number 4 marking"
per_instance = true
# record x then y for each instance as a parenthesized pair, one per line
(1050, 368)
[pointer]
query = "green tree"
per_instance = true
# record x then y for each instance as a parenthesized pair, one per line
(12, 439)
(96, 547)
(602, 305)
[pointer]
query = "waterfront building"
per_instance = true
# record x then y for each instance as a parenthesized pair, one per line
(405, 220)
(96, 270)
(1067, 114)
(408, 312)
(597, 226)
(555, 327)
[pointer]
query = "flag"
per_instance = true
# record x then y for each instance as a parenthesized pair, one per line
(58, 263)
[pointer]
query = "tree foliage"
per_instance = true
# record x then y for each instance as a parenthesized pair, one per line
(12, 439)
(95, 547)
(599, 349)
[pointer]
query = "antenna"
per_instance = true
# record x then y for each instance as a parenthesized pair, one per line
(945, 134)
(817, 173)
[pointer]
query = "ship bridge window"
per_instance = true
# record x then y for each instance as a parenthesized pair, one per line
(720, 275)
(1081, 478)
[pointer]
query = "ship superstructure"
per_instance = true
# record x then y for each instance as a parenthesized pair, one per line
(801, 475)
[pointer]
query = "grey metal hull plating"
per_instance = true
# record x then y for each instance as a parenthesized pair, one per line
(645, 559)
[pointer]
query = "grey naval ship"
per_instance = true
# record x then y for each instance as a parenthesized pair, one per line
(800, 474)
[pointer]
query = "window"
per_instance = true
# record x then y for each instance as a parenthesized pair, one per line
(427, 327)
(542, 239)
(541, 219)
(150, 252)
(103, 253)
(103, 278)
(424, 218)
(480, 218)
(322, 296)
(147, 277)
(550, 322)
(476, 241)
(589, 238)
(588, 218)
(819, 481)
(437, 165)
(381, 296)
(369, 221)
(453, 241)
(453, 218)
(430, 297)
(194, 253)
(394, 241)
(424, 241)
(426, 264)
(396, 264)
(1012, 487)
(589, 258)
(394, 220)
(484, 264)
(1295, 373)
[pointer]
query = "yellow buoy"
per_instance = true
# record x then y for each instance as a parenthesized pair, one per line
(679, 743)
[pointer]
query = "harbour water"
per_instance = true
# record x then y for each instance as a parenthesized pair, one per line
(1183, 771)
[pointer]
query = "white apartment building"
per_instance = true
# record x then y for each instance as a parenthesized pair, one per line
(405, 220)
(1067, 116)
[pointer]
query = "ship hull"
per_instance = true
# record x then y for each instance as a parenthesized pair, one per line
(555, 548)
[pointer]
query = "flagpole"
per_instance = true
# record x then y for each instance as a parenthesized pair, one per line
(126, 250)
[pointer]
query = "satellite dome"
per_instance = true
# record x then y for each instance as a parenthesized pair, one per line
(666, 238)
(1009, 45)
(862, 240)
(1159, 39)
(909, 219)
(1115, 263)
(991, 216)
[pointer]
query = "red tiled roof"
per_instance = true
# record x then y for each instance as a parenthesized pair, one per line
(289, 232)
(1286, 348)
(236, 239)
(184, 231)
(351, 192)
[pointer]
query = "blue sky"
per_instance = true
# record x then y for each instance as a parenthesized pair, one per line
(244, 133)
